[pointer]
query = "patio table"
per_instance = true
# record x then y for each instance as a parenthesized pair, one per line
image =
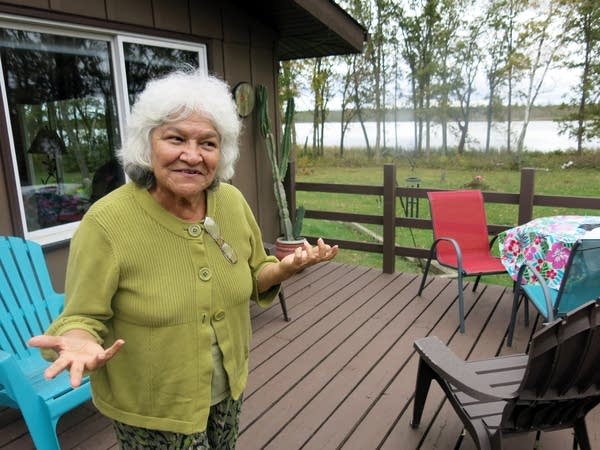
(546, 243)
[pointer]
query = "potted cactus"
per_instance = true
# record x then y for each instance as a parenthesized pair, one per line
(290, 238)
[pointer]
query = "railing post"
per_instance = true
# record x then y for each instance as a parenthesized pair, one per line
(526, 193)
(389, 218)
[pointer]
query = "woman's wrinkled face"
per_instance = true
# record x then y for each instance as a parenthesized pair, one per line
(185, 156)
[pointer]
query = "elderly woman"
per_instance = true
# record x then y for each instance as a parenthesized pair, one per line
(160, 275)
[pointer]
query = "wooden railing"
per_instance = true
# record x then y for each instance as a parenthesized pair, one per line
(526, 199)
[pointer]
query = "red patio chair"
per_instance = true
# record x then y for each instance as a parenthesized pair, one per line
(461, 239)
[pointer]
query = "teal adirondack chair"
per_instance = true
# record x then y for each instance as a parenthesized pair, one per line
(28, 303)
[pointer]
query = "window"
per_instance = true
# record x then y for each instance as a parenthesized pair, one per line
(144, 62)
(66, 113)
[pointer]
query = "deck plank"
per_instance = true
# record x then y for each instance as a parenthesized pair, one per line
(388, 367)
(308, 372)
(341, 373)
(354, 360)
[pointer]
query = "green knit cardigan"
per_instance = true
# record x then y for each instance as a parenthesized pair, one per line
(138, 273)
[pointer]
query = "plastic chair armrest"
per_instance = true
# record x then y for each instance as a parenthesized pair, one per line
(11, 376)
(456, 371)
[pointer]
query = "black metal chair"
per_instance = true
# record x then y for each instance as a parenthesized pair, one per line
(270, 249)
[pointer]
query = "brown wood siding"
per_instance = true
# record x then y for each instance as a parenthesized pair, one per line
(235, 25)
(205, 19)
(89, 8)
(137, 12)
(5, 217)
(237, 68)
(263, 70)
(56, 258)
(173, 15)
(31, 3)
(216, 58)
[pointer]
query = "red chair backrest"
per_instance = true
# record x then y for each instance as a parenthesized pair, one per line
(459, 215)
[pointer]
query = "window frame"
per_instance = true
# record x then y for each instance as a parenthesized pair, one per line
(116, 40)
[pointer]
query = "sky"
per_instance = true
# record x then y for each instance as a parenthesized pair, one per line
(557, 88)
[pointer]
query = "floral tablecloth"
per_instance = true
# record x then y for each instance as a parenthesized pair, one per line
(546, 242)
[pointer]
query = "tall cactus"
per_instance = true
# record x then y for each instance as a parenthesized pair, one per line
(279, 161)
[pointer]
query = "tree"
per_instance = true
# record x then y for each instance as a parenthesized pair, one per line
(495, 41)
(540, 42)
(348, 101)
(583, 30)
(416, 23)
(468, 58)
(289, 83)
(446, 35)
(514, 8)
(362, 77)
(321, 88)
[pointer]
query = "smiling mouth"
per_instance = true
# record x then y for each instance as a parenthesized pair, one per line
(189, 171)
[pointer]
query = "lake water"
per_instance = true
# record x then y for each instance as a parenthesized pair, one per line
(541, 135)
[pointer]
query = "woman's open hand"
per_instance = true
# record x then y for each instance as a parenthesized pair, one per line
(77, 352)
(308, 255)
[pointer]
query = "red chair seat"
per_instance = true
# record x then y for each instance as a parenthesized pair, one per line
(476, 263)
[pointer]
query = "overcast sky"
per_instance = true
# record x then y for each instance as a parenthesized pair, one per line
(557, 88)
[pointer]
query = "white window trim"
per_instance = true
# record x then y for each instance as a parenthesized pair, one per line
(116, 39)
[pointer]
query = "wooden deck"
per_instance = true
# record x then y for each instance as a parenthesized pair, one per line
(341, 373)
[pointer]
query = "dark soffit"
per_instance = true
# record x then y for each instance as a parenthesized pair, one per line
(309, 28)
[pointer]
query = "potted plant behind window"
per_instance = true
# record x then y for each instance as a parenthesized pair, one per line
(290, 238)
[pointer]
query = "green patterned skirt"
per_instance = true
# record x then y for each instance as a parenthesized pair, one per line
(221, 432)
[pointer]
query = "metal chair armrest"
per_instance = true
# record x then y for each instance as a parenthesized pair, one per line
(545, 289)
(456, 249)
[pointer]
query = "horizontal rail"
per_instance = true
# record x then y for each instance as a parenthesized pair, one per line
(340, 188)
(525, 200)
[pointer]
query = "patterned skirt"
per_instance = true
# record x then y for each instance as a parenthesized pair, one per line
(221, 432)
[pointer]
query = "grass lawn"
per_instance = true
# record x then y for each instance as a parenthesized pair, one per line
(497, 172)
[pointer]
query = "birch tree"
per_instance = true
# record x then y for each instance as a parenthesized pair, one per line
(583, 32)
(495, 43)
(468, 58)
(540, 43)
(417, 21)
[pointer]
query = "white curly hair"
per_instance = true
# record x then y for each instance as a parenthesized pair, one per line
(175, 97)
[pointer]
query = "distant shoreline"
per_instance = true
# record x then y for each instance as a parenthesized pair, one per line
(542, 135)
(479, 114)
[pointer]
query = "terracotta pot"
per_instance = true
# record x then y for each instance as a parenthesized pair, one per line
(284, 247)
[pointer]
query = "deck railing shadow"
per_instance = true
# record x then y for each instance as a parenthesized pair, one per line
(525, 200)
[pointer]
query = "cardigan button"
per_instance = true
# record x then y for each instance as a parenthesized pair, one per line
(219, 315)
(205, 274)
(194, 230)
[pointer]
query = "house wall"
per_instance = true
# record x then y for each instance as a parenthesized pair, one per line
(239, 48)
